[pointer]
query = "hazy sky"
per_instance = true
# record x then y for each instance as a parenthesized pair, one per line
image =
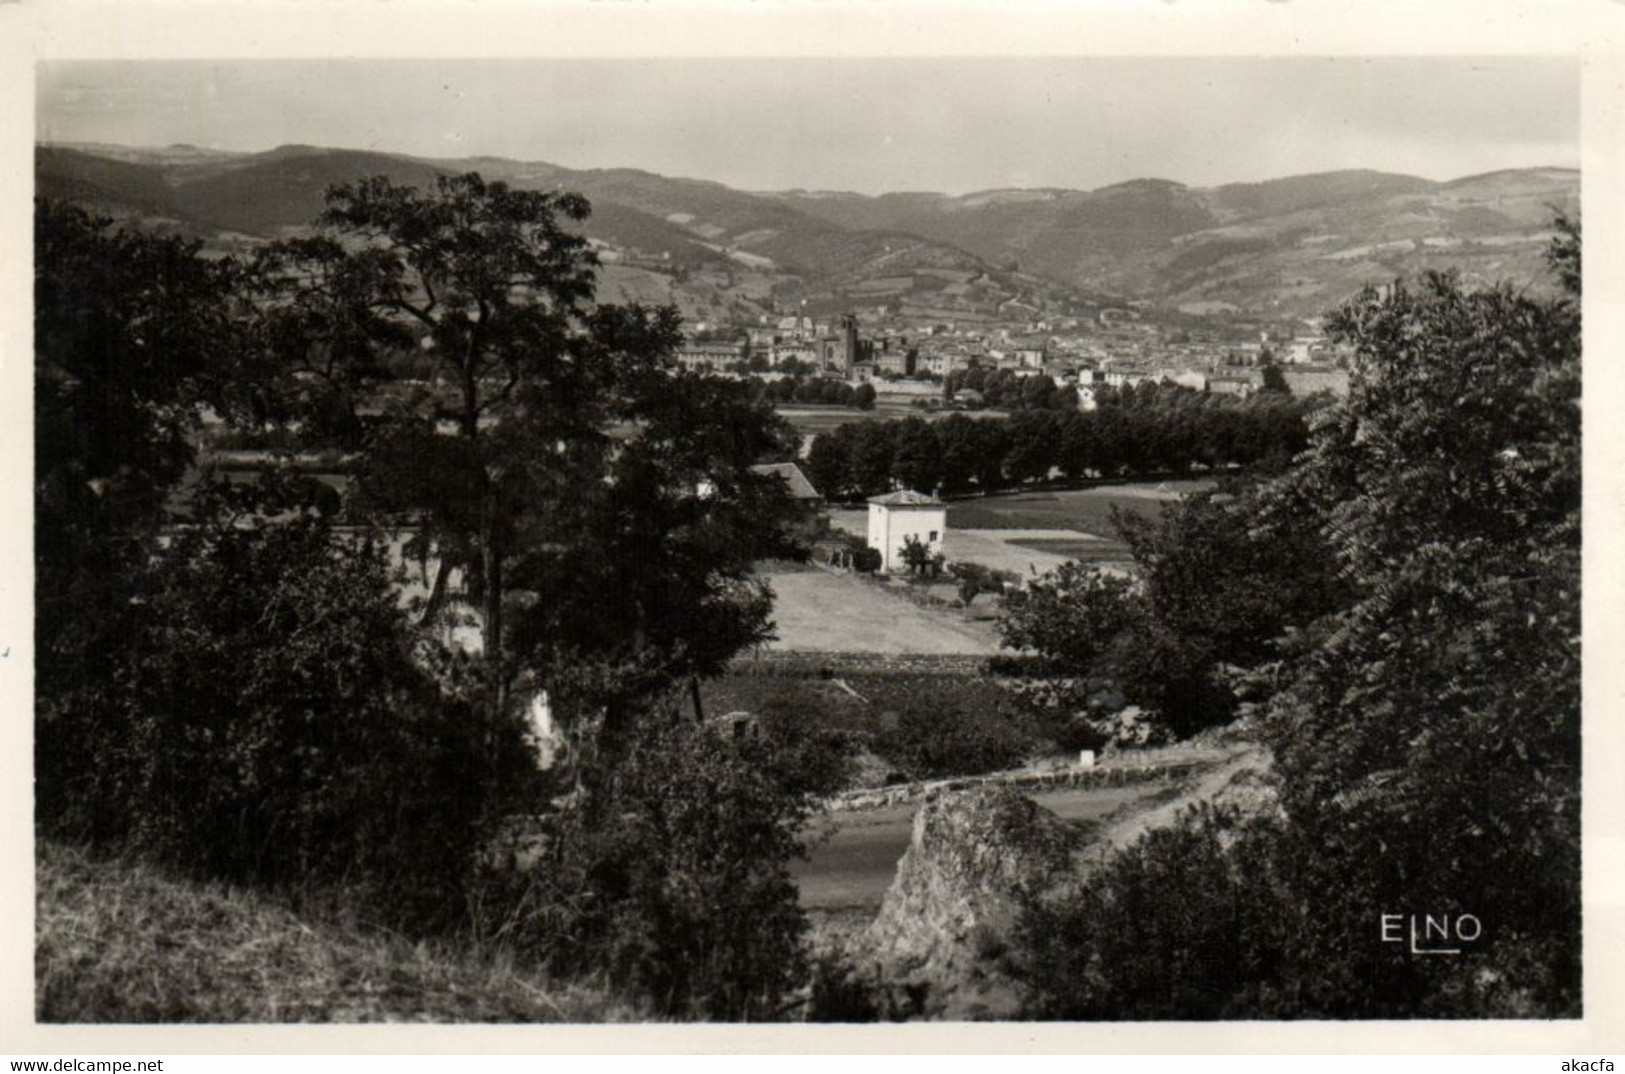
(869, 125)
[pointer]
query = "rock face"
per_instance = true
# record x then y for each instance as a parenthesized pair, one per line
(941, 932)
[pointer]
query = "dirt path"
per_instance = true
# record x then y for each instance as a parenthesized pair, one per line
(1125, 828)
(854, 855)
(854, 863)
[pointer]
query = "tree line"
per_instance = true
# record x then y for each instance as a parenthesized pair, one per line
(812, 389)
(1155, 430)
(1006, 390)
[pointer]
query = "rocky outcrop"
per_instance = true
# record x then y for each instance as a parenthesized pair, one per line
(939, 939)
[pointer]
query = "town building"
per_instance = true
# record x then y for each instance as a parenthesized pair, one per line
(701, 356)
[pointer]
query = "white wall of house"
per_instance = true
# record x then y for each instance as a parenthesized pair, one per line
(891, 526)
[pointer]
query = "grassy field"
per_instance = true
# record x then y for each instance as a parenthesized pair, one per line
(1087, 510)
(818, 611)
(809, 419)
(117, 942)
(1088, 550)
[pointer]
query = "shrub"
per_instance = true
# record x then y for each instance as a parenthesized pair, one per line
(1069, 615)
(1169, 928)
(263, 721)
(936, 726)
(669, 879)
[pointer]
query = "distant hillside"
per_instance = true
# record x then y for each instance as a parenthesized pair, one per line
(711, 250)
(1287, 247)
(1291, 246)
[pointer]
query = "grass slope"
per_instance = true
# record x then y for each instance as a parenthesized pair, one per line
(117, 942)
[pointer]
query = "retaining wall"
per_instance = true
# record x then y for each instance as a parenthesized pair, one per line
(812, 665)
(1103, 776)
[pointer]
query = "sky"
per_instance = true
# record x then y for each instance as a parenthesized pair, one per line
(866, 125)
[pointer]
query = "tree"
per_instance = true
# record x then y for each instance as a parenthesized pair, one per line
(919, 558)
(1213, 569)
(651, 565)
(330, 338)
(1032, 450)
(1070, 615)
(870, 455)
(327, 754)
(135, 336)
(916, 455)
(1425, 730)
(1176, 926)
(505, 466)
(675, 886)
(494, 286)
(829, 465)
(1438, 715)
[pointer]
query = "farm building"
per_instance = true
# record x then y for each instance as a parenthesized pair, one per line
(795, 481)
(896, 516)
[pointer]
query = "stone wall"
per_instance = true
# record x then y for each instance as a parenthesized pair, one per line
(1031, 782)
(834, 665)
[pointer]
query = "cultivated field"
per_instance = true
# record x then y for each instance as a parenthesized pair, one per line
(823, 612)
(810, 419)
(1033, 532)
(1087, 510)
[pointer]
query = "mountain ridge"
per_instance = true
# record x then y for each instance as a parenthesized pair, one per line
(1292, 246)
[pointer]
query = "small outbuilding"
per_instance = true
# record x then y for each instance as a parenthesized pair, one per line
(897, 516)
(801, 490)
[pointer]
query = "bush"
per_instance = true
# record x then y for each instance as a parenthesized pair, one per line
(1069, 615)
(936, 726)
(804, 757)
(263, 721)
(1169, 929)
(669, 879)
(1224, 917)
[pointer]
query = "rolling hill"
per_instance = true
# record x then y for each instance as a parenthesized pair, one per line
(1286, 247)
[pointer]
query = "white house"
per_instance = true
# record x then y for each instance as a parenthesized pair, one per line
(896, 516)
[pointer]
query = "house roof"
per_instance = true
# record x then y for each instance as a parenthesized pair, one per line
(800, 487)
(906, 498)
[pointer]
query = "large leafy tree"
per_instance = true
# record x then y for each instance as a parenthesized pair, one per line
(134, 336)
(1429, 734)
(1426, 730)
(598, 505)
(493, 286)
(1070, 616)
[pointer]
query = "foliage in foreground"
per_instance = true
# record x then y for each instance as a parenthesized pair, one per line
(122, 942)
(235, 689)
(1222, 917)
(669, 880)
(1426, 732)
(263, 721)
